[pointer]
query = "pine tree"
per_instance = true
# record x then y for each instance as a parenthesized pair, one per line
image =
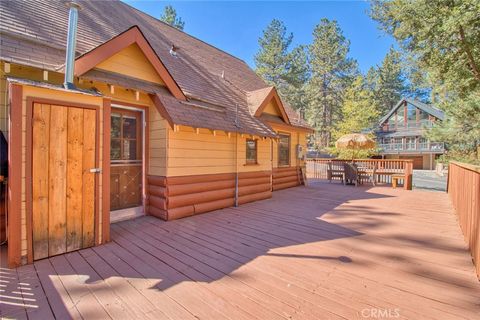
(442, 37)
(169, 16)
(359, 113)
(331, 73)
(389, 84)
(281, 67)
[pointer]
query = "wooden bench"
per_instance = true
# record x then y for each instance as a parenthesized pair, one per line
(395, 178)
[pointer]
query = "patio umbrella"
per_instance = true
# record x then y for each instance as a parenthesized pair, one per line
(355, 141)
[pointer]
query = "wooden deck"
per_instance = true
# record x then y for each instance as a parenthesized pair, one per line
(326, 251)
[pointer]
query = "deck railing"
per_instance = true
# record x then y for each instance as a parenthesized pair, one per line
(410, 125)
(385, 168)
(410, 147)
(464, 190)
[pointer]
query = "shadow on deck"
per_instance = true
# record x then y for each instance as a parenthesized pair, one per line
(322, 251)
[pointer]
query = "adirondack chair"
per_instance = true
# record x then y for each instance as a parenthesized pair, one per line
(335, 172)
(351, 173)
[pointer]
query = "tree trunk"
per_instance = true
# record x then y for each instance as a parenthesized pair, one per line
(471, 61)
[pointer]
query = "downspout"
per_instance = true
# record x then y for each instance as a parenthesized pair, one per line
(271, 163)
(71, 44)
(236, 169)
(236, 155)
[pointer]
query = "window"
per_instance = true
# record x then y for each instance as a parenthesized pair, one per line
(391, 122)
(423, 143)
(125, 136)
(251, 151)
(410, 143)
(400, 117)
(284, 150)
(422, 115)
(411, 113)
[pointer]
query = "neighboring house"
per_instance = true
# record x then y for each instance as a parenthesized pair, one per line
(401, 133)
(150, 120)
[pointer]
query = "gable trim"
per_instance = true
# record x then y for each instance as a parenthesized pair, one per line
(273, 94)
(420, 105)
(109, 48)
(162, 110)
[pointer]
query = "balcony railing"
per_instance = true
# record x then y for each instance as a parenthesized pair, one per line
(412, 146)
(413, 125)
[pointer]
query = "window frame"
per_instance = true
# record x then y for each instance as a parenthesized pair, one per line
(138, 135)
(251, 161)
(289, 136)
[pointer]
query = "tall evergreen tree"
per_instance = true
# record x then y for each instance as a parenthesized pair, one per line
(331, 73)
(359, 113)
(169, 16)
(389, 84)
(443, 37)
(281, 67)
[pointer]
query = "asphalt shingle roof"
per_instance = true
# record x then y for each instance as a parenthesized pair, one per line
(34, 33)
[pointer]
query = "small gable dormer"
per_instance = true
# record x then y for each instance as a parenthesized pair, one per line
(129, 54)
(267, 103)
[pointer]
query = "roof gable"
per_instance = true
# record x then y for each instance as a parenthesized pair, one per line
(420, 105)
(132, 62)
(200, 72)
(127, 44)
(266, 100)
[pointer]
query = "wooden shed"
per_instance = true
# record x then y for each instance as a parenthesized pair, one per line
(154, 122)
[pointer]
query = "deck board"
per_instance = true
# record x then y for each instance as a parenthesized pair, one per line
(326, 251)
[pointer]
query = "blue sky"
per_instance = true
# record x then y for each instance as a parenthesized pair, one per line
(236, 26)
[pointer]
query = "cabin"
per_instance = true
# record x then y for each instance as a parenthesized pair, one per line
(400, 133)
(110, 117)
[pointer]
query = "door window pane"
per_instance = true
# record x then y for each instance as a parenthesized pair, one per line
(129, 150)
(116, 125)
(129, 127)
(124, 143)
(115, 149)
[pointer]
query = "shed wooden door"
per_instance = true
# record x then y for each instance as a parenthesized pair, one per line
(63, 187)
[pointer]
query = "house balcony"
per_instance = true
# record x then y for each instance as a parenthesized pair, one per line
(428, 147)
(409, 126)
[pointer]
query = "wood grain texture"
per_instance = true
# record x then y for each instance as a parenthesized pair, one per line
(74, 206)
(89, 149)
(105, 205)
(40, 179)
(63, 188)
(324, 251)
(464, 192)
(182, 196)
(57, 200)
(15, 176)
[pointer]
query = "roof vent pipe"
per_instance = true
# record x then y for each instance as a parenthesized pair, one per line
(71, 44)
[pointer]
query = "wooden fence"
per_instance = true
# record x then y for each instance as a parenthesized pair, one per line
(464, 189)
(385, 168)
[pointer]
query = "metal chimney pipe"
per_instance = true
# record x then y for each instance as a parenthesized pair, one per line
(71, 44)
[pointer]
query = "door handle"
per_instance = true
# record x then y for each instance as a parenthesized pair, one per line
(96, 170)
